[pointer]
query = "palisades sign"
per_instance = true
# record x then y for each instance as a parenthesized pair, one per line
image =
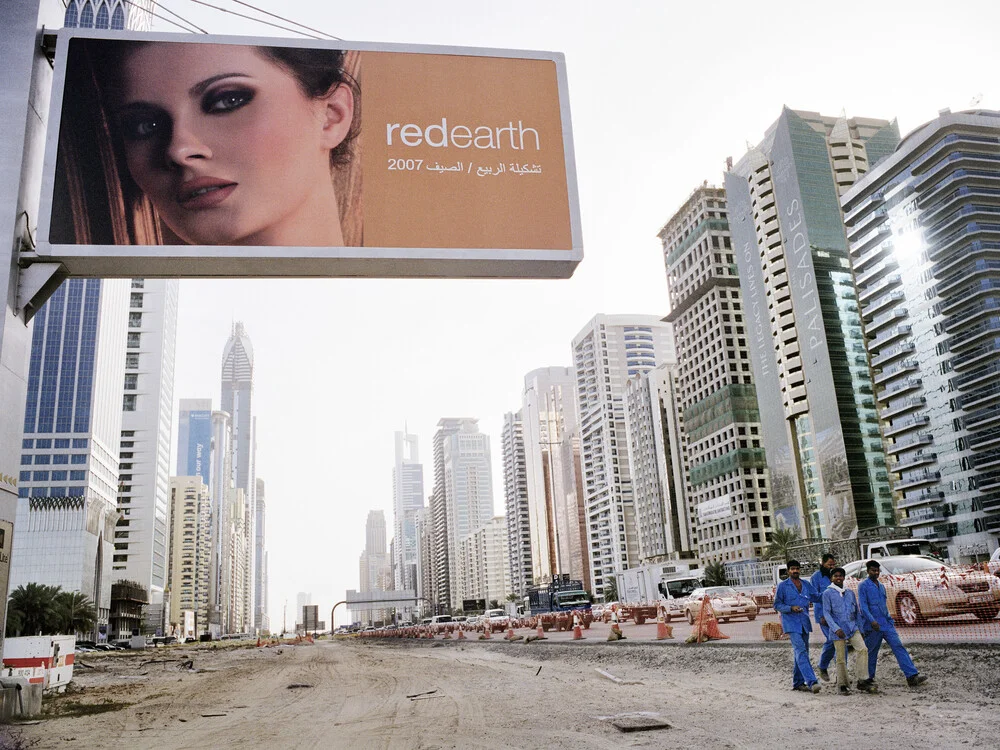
(173, 155)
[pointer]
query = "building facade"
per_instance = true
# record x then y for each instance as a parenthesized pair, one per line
(924, 233)
(375, 565)
(190, 555)
(408, 500)
(552, 468)
(260, 619)
(654, 448)
(515, 489)
(484, 564)
(722, 459)
(819, 422)
(68, 481)
(141, 536)
(606, 353)
(462, 499)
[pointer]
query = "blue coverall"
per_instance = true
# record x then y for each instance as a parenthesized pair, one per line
(797, 625)
(820, 583)
(872, 601)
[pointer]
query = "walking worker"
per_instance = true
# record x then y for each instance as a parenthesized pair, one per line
(877, 625)
(820, 582)
(842, 615)
(792, 600)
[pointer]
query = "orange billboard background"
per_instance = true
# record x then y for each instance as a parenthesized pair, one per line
(477, 159)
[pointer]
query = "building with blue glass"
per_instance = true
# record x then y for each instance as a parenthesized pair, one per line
(924, 231)
(194, 438)
(69, 475)
(815, 395)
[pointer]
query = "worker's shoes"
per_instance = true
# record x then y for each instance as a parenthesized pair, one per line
(824, 675)
(867, 686)
(844, 690)
(917, 679)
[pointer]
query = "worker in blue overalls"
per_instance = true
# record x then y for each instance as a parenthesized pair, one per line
(792, 600)
(877, 625)
(820, 582)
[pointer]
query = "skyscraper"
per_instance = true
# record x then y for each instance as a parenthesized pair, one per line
(237, 401)
(68, 483)
(515, 489)
(819, 423)
(483, 571)
(141, 537)
(463, 498)
(260, 579)
(924, 232)
(606, 353)
(407, 500)
(726, 481)
(375, 567)
(190, 554)
(661, 512)
(221, 491)
(553, 480)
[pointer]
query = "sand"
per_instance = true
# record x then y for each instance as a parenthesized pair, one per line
(421, 694)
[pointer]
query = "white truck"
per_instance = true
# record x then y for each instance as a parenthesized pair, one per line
(643, 584)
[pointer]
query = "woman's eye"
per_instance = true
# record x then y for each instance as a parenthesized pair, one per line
(142, 127)
(226, 101)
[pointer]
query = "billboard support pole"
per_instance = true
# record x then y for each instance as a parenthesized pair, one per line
(24, 109)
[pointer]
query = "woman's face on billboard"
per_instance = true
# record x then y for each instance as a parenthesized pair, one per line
(228, 147)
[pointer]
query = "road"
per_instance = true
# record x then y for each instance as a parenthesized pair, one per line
(390, 695)
(959, 629)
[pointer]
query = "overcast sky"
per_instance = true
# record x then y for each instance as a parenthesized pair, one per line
(661, 93)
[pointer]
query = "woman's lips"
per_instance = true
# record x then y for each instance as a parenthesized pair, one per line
(204, 192)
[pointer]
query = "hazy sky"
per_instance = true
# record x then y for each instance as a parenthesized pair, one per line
(661, 93)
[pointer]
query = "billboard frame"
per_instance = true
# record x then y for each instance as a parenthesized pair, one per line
(229, 261)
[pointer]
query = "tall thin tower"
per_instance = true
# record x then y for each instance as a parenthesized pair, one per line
(408, 499)
(237, 401)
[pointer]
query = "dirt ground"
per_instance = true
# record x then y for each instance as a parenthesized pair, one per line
(423, 694)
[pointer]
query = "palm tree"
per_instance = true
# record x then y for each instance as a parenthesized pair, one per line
(781, 540)
(715, 574)
(77, 613)
(32, 609)
(611, 590)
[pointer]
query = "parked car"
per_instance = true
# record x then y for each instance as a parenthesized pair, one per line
(994, 564)
(497, 617)
(727, 603)
(919, 588)
(441, 622)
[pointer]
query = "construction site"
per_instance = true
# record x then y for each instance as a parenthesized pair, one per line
(471, 693)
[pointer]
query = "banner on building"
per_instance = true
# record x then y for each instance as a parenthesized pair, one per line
(174, 155)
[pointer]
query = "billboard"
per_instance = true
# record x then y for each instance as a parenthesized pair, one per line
(174, 155)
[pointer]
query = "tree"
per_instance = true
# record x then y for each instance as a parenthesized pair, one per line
(494, 604)
(715, 574)
(32, 610)
(512, 597)
(781, 540)
(76, 612)
(611, 590)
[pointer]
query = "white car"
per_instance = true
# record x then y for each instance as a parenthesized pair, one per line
(497, 617)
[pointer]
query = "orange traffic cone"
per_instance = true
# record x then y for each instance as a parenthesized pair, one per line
(487, 632)
(510, 633)
(663, 631)
(461, 633)
(706, 627)
(540, 631)
(577, 630)
(258, 641)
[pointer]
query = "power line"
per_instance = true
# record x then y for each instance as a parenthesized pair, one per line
(258, 20)
(156, 15)
(286, 20)
(177, 15)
